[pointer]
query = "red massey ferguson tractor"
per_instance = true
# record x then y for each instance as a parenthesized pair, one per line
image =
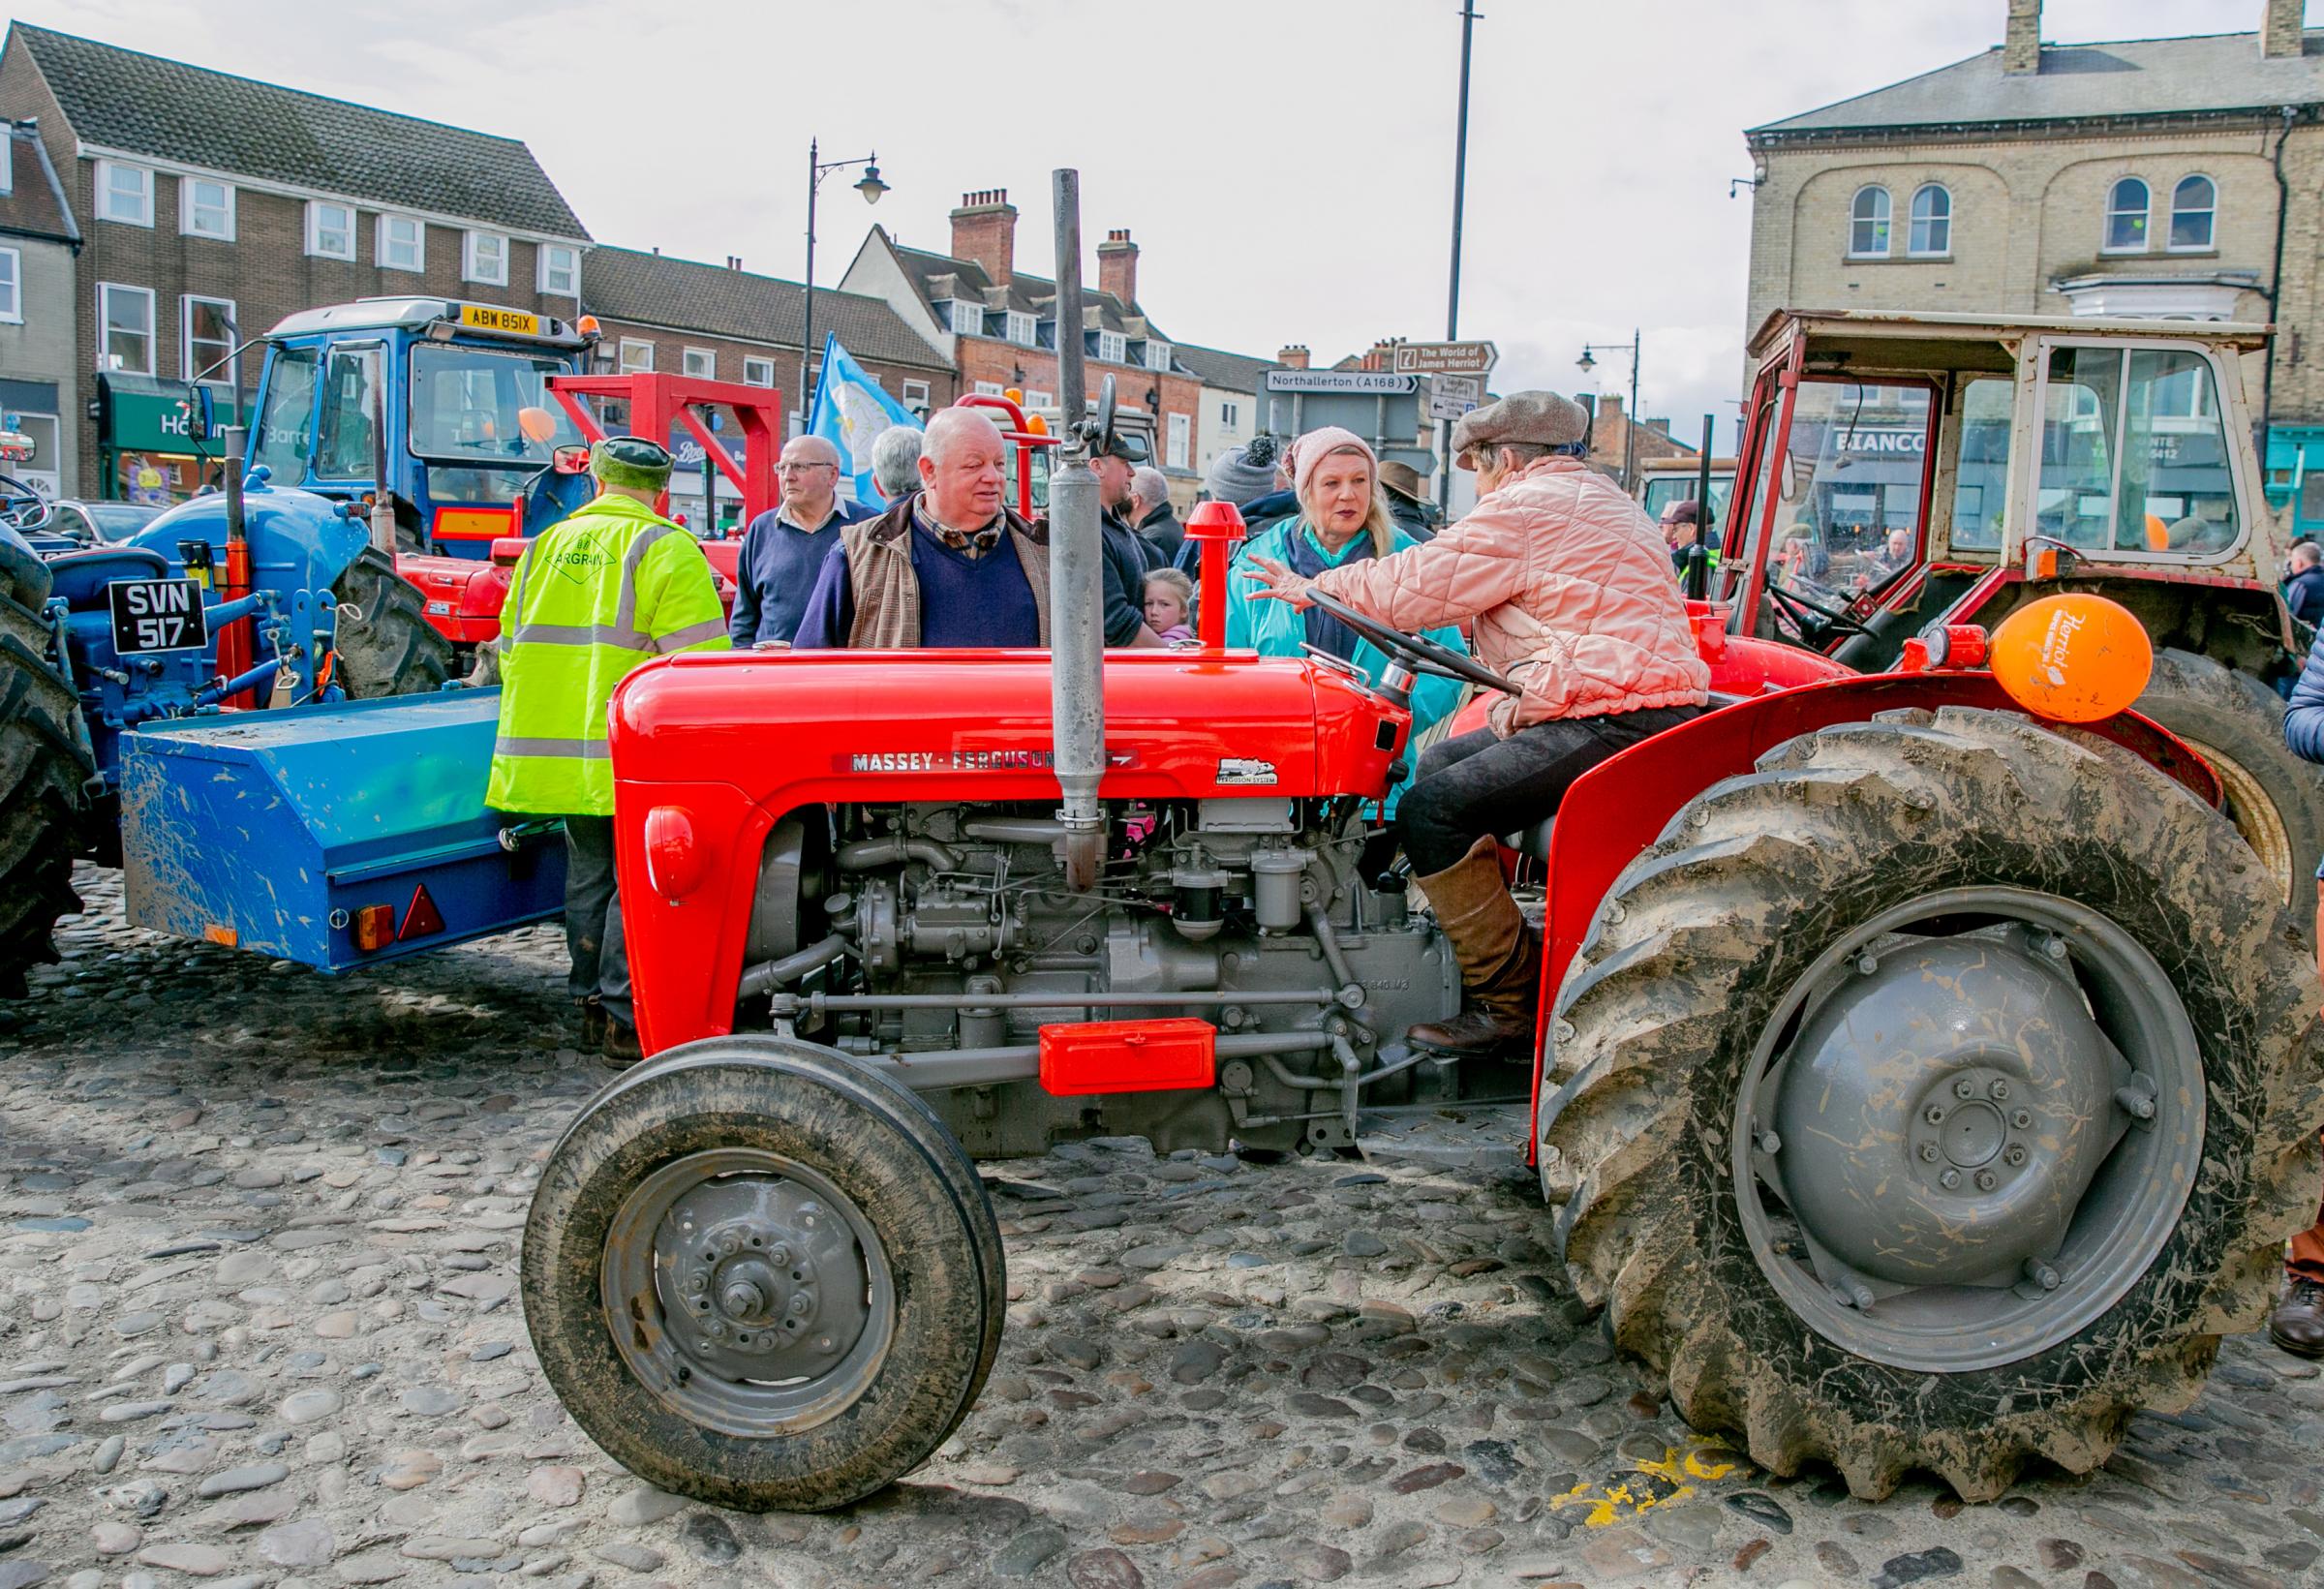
(1921, 1086)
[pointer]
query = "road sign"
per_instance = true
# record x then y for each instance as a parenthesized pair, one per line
(1449, 396)
(1446, 357)
(1339, 380)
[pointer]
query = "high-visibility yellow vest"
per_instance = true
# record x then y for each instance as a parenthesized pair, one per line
(594, 596)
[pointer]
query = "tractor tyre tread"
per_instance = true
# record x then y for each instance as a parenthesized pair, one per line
(1655, 1021)
(2238, 714)
(44, 772)
(393, 650)
(881, 1145)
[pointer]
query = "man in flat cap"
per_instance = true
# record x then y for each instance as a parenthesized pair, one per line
(1569, 586)
(595, 596)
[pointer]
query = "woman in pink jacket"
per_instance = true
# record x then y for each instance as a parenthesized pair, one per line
(1569, 585)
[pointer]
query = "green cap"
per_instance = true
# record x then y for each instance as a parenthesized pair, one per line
(631, 461)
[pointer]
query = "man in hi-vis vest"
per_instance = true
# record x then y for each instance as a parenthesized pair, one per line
(594, 596)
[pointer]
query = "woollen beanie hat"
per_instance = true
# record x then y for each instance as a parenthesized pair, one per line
(1244, 473)
(1308, 452)
(631, 461)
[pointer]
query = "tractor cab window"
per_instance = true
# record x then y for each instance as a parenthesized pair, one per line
(1847, 498)
(1982, 483)
(1037, 459)
(1662, 490)
(468, 419)
(344, 450)
(287, 423)
(2134, 459)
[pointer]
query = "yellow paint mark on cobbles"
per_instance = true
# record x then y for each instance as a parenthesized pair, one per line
(1650, 1483)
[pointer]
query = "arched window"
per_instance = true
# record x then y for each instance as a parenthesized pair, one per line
(1868, 222)
(2126, 217)
(1932, 222)
(2194, 202)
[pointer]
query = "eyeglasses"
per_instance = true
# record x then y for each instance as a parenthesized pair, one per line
(801, 469)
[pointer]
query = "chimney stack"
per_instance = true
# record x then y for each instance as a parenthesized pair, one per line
(2282, 33)
(1292, 358)
(1117, 267)
(2021, 44)
(984, 229)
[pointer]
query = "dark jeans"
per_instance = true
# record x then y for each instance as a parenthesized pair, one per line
(592, 918)
(1479, 783)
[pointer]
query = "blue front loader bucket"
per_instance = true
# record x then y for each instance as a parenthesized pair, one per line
(276, 831)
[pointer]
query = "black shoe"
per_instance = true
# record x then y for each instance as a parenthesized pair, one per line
(620, 1048)
(2298, 1322)
(593, 1025)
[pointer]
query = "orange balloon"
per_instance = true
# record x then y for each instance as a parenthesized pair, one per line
(2072, 659)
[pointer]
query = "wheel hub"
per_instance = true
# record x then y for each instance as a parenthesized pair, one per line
(747, 1255)
(1968, 1128)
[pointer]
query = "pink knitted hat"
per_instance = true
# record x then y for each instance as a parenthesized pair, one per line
(1312, 449)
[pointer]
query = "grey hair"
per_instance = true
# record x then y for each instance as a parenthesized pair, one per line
(1150, 486)
(818, 446)
(896, 462)
(948, 424)
(2306, 554)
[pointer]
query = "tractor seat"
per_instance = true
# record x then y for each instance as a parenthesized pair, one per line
(80, 578)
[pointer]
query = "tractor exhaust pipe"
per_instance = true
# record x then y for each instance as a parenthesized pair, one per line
(1076, 636)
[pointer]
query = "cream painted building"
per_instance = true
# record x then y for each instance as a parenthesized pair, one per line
(2170, 178)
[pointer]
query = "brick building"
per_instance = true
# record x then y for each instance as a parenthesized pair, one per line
(1610, 437)
(211, 205)
(2137, 178)
(1233, 399)
(40, 365)
(726, 323)
(998, 326)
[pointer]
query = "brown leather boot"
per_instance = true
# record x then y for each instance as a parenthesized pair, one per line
(2298, 1322)
(1500, 959)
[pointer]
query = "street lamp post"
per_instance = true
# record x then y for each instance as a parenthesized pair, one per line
(1469, 15)
(871, 186)
(1630, 419)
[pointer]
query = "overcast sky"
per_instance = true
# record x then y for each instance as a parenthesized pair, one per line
(1285, 166)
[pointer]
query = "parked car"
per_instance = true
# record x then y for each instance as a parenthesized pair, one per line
(96, 523)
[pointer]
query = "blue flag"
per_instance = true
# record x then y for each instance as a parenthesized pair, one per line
(850, 413)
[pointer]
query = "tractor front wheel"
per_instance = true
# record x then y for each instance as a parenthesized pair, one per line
(2236, 722)
(1935, 1097)
(762, 1275)
(389, 649)
(44, 768)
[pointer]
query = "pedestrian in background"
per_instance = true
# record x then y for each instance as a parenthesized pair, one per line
(1119, 456)
(785, 548)
(2298, 1322)
(2304, 592)
(1251, 477)
(1154, 518)
(596, 596)
(1690, 559)
(1170, 605)
(895, 462)
(1407, 503)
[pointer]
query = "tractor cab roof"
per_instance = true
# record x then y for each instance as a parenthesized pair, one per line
(1874, 339)
(442, 318)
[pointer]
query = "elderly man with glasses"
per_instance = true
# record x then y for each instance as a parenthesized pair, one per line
(784, 547)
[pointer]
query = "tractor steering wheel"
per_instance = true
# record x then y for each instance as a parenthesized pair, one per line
(1807, 614)
(1420, 652)
(20, 507)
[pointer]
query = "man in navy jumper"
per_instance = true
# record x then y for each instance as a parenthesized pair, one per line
(785, 548)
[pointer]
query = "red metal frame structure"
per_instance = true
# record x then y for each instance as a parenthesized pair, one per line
(659, 402)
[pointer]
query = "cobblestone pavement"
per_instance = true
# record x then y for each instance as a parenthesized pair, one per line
(257, 1326)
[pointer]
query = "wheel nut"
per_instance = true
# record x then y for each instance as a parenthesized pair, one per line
(1928, 1152)
(2000, 1088)
(2016, 1155)
(697, 1282)
(1965, 1089)
(1867, 965)
(801, 1301)
(1949, 1179)
(1934, 1115)
(1985, 1180)
(1771, 1143)
(779, 1255)
(2055, 947)
(2021, 1119)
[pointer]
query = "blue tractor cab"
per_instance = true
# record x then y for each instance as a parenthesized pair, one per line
(443, 403)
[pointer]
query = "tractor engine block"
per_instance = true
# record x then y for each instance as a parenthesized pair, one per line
(940, 928)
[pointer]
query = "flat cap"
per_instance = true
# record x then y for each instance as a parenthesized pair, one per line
(631, 461)
(1543, 419)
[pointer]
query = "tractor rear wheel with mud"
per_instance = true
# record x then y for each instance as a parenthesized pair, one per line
(390, 649)
(763, 1275)
(44, 766)
(1935, 1097)
(2274, 798)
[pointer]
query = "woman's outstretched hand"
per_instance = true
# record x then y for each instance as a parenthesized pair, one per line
(1277, 583)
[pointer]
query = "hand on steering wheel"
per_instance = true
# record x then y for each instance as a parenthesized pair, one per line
(1416, 651)
(1806, 614)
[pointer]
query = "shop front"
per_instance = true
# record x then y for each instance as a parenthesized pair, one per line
(151, 446)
